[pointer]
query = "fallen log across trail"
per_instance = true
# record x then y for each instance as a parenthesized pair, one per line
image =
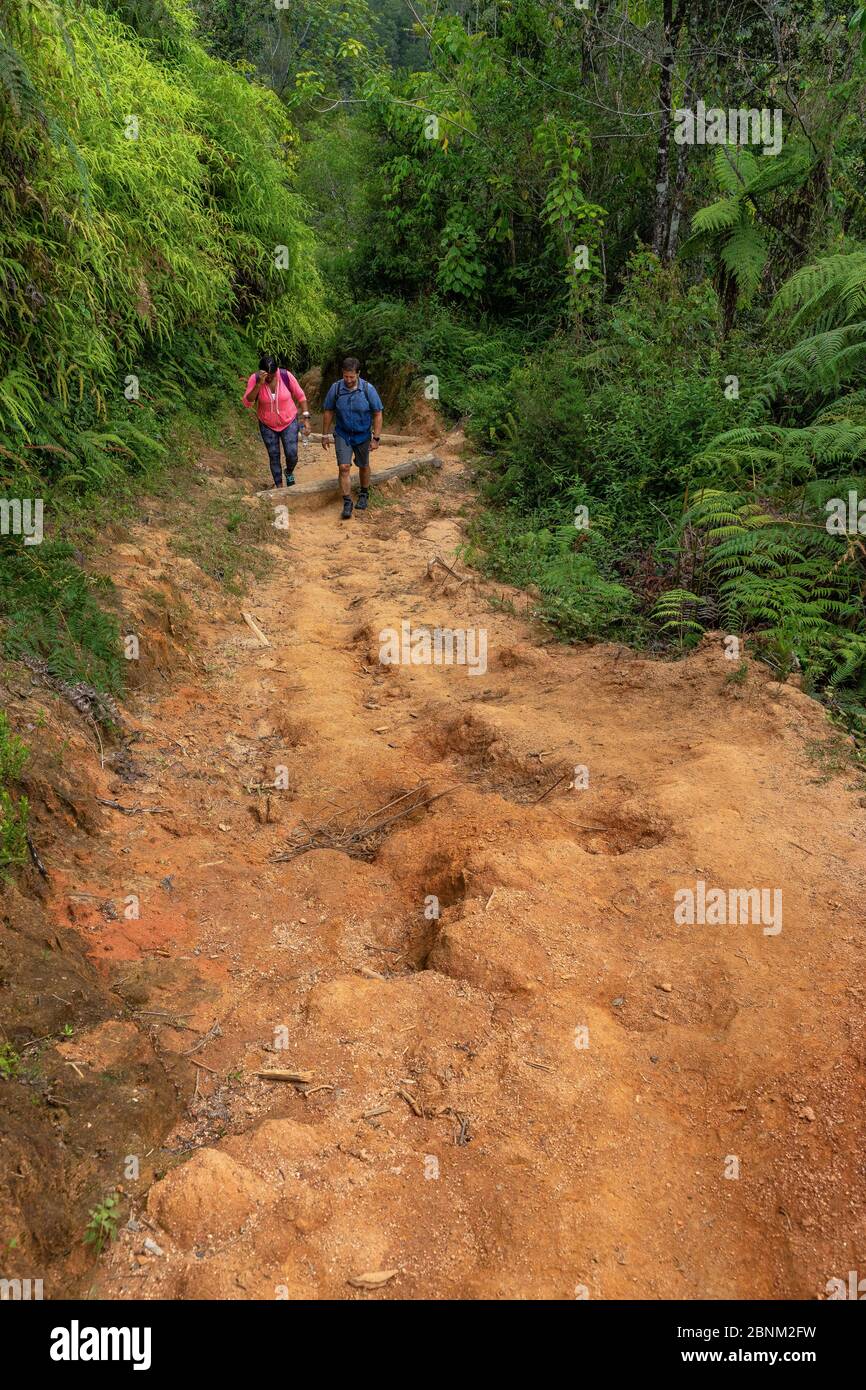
(388, 440)
(327, 485)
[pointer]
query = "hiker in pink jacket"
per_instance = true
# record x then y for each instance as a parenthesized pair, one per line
(278, 397)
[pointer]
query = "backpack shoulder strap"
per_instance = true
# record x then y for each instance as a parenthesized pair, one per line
(340, 390)
(287, 382)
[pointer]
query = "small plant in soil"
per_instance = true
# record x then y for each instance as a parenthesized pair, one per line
(739, 675)
(9, 1060)
(102, 1225)
(378, 500)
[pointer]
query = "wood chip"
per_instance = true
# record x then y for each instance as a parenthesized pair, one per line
(373, 1280)
(411, 1102)
(254, 627)
(297, 1076)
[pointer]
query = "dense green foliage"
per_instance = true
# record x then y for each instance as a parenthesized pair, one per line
(150, 241)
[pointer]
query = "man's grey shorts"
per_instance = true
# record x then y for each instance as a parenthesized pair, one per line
(345, 452)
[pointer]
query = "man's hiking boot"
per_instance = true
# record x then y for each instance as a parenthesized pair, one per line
(290, 480)
(361, 504)
(347, 509)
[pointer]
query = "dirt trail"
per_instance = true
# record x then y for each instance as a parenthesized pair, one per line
(455, 1129)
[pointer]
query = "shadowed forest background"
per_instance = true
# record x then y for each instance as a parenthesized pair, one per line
(487, 204)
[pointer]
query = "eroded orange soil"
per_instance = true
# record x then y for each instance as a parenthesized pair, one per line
(453, 1130)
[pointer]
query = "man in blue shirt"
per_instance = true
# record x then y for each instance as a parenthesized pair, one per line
(358, 411)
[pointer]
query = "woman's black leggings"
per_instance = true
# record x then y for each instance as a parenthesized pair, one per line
(289, 437)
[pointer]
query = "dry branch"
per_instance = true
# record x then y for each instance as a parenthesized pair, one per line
(362, 841)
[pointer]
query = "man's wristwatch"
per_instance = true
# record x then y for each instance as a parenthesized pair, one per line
(377, 437)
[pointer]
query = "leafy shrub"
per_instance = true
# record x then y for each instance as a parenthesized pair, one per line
(611, 427)
(560, 562)
(757, 555)
(401, 345)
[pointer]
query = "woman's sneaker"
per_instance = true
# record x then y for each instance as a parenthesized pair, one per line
(347, 509)
(362, 499)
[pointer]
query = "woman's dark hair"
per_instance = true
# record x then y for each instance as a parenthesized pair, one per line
(267, 364)
(351, 364)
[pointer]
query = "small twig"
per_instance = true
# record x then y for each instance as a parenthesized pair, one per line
(254, 627)
(551, 788)
(416, 807)
(461, 579)
(411, 1102)
(389, 804)
(132, 810)
(213, 1032)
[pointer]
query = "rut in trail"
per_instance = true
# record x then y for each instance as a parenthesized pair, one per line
(539, 1094)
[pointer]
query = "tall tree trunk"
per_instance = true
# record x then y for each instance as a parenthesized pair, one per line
(672, 23)
(679, 185)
